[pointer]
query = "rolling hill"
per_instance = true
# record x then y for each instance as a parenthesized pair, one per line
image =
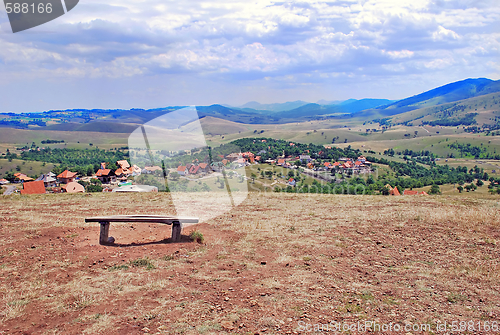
(311, 111)
(276, 107)
(347, 111)
(456, 91)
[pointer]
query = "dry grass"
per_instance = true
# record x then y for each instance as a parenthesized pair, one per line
(270, 262)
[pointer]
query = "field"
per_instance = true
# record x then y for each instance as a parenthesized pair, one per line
(11, 138)
(272, 264)
(30, 168)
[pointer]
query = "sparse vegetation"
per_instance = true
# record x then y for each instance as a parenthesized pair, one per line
(356, 259)
(197, 236)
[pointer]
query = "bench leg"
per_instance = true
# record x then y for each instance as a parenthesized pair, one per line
(176, 231)
(103, 237)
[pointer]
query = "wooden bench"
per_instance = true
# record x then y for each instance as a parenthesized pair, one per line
(104, 221)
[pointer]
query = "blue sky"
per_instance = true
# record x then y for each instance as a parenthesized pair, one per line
(154, 53)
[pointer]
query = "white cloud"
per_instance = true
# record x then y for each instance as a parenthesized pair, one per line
(236, 42)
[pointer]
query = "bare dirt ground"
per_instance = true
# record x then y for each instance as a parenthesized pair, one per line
(276, 262)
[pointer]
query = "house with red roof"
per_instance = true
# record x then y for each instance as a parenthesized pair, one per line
(204, 168)
(21, 177)
(232, 157)
(123, 164)
(66, 177)
(182, 170)
(194, 169)
(411, 192)
(33, 187)
(106, 176)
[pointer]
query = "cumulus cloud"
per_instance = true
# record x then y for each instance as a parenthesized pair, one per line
(266, 42)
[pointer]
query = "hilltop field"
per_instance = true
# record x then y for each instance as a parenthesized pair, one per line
(275, 263)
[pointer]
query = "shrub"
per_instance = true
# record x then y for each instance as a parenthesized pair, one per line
(435, 189)
(197, 236)
(142, 262)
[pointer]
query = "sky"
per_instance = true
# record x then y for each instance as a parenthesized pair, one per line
(157, 53)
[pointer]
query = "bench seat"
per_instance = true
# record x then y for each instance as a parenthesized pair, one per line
(104, 221)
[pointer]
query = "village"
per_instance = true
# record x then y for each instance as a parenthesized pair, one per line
(125, 177)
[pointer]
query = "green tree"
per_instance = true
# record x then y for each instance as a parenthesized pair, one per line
(385, 191)
(435, 189)
(460, 189)
(93, 188)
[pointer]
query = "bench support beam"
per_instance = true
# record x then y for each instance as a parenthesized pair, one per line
(176, 231)
(103, 237)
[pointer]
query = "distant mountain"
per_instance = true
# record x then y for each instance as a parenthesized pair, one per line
(348, 107)
(235, 114)
(276, 107)
(329, 102)
(431, 105)
(459, 90)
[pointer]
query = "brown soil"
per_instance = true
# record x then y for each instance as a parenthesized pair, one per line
(273, 261)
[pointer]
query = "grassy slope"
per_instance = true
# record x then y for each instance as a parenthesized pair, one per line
(29, 168)
(11, 138)
(486, 106)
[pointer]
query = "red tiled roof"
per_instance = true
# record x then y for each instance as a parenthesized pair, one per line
(23, 177)
(181, 168)
(33, 187)
(410, 192)
(102, 172)
(123, 164)
(281, 161)
(194, 169)
(395, 191)
(203, 165)
(336, 164)
(358, 163)
(67, 174)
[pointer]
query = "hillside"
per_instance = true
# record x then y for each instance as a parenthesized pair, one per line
(312, 111)
(484, 109)
(456, 91)
(396, 260)
(275, 107)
